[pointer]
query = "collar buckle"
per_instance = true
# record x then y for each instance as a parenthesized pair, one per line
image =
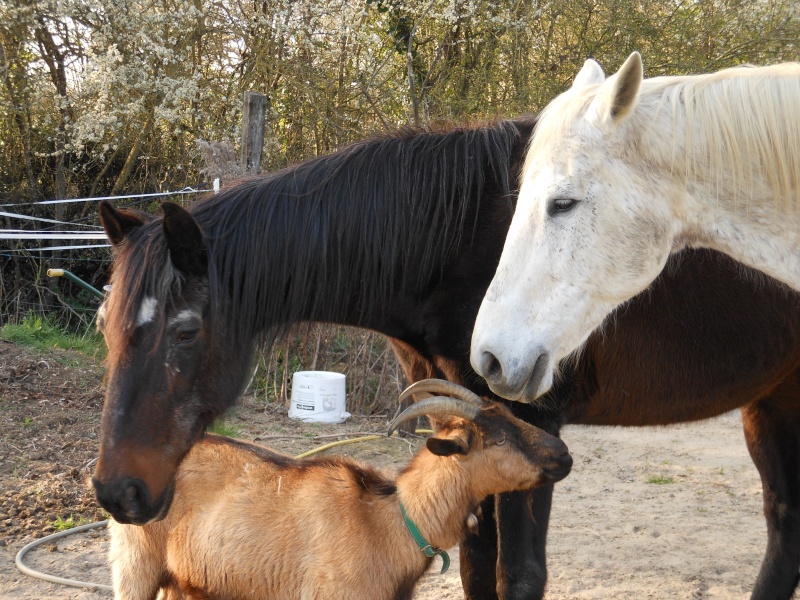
(427, 549)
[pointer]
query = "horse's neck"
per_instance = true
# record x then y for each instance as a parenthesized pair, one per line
(752, 230)
(735, 209)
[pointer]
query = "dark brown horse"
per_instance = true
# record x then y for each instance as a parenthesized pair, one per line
(402, 235)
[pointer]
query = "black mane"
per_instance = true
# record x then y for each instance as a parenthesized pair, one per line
(340, 234)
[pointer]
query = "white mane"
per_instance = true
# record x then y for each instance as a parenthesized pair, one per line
(743, 121)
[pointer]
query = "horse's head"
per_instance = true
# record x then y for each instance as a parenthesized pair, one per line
(162, 372)
(587, 234)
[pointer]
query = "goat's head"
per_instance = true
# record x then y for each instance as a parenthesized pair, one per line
(501, 452)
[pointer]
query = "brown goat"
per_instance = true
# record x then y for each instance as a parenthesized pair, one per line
(247, 522)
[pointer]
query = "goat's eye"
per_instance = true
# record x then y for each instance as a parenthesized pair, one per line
(561, 205)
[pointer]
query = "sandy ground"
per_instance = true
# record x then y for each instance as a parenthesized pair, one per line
(646, 513)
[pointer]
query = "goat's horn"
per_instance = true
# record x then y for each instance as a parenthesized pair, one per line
(442, 387)
(438, 405)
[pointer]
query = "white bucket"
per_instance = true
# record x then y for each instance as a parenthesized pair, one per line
(318, 397)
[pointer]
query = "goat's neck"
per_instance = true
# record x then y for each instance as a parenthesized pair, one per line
(436, 493)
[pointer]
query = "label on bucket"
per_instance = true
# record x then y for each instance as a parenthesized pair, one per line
(304, 400)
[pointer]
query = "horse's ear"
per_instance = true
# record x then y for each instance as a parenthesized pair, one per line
(187, 249)
(620, 93)
(590, 74)
(117, 223)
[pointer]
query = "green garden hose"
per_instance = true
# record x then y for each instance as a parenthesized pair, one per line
(75, 279)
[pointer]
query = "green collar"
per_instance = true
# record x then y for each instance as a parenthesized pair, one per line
(423, 544)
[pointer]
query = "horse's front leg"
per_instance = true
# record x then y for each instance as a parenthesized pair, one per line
(772, 431)
(478, 556)
(519, 569)
(522, 521)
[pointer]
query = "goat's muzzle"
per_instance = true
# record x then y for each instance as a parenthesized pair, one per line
(560, 463)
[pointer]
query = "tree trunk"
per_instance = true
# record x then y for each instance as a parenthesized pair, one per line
(133, 155)
(55, 60)
(97, 179)
(21, 124)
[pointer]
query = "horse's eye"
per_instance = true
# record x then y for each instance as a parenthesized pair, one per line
(501, 439)
(561, 205)
(186, 336)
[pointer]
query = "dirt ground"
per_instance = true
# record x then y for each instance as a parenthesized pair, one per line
(649, 513)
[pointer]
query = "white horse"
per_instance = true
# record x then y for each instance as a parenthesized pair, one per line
(621, 172)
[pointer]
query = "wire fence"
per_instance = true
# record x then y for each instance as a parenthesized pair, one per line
(30, 244)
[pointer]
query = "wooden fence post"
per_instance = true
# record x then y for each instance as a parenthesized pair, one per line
(253, 112)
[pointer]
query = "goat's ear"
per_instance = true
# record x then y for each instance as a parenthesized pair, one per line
(446, 446)
(117, 223)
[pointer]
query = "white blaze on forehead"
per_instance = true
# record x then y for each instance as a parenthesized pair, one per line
(185, 315)
(147, 311)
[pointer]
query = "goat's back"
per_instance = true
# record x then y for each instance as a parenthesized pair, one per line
(247, 522)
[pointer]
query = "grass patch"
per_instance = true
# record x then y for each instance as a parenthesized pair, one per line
(222, 427)
(660, 480)
(69, 523)
(42, 334)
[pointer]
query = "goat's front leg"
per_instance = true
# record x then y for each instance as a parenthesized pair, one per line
(522, 521)
(137, 564)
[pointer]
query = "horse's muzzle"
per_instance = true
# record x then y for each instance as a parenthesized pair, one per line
(513, 380)
(128, 500)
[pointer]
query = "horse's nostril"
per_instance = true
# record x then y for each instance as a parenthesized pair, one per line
(135, 500)
(128, 500)
(540, 367)
(133, 495)
(492, 369)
